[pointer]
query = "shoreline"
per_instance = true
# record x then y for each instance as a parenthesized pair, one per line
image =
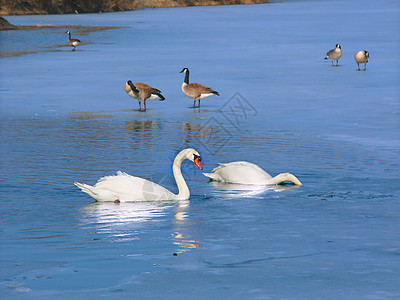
(41, 7)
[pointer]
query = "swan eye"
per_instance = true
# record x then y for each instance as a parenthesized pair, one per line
(196, 156)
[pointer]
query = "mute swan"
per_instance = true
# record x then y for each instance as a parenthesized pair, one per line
(125, 188)
(243, 172)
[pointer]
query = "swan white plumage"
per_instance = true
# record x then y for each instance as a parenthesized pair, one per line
(243, 172)
(126, 188)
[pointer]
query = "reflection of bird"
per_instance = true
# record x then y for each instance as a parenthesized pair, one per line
(243, 172)
(142, 92)
(334, 54)
(185, 244)
(141, 126)
(72, 42)
(361, 57)
(192, 127)
(124, 188)
(235, 190)
(196, 90)
(116, 217)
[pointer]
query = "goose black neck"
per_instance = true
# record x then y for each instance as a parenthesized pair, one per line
(186, 77)
(69, 34)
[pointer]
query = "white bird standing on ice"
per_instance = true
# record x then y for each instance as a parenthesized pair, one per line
(243, 172)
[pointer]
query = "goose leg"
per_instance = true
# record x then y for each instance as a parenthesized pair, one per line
(144, 105)
(365, 66)
(332, 62)
(337, 62)
(358, 65)
(199, 103)
(140, 106)
(194, 103)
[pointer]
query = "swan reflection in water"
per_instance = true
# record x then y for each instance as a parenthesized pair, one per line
(232, 190)
(125, 221)
(185, 243)
(109, 217)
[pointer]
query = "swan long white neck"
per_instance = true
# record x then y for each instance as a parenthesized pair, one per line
(183, 189)
(284, 177)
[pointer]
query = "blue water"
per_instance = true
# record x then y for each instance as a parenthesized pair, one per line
(65, 117)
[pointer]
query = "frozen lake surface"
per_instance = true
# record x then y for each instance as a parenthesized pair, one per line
(65, 117)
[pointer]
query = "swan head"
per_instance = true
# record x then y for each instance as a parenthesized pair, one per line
(197, 161)
(184, 70)
(193, 156)
(289, 177)
(134, 89)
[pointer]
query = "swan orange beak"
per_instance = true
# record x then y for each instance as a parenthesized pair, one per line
(197, 162)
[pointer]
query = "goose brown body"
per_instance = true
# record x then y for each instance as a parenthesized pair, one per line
(72, 42)
(362, 57)
(142, 92)
(334, 54)
(196, 91)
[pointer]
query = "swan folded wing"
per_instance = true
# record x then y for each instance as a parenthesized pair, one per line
(131, 188)
(241, 172)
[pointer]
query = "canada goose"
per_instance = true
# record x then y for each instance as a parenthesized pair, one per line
(196, 90)
(142, 91)
(72, 42)
(334, 54)
(362, 57)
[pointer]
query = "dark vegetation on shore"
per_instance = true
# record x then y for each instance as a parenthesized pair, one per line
(26, 7)
(4, 24)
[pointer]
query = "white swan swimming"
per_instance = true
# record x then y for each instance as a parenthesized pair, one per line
(126, 188)
(243, 172)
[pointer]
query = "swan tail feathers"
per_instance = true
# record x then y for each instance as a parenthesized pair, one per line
(221, 165)
(213, 176)
(88, 189)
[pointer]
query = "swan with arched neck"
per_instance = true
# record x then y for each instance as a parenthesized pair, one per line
(126, 188)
